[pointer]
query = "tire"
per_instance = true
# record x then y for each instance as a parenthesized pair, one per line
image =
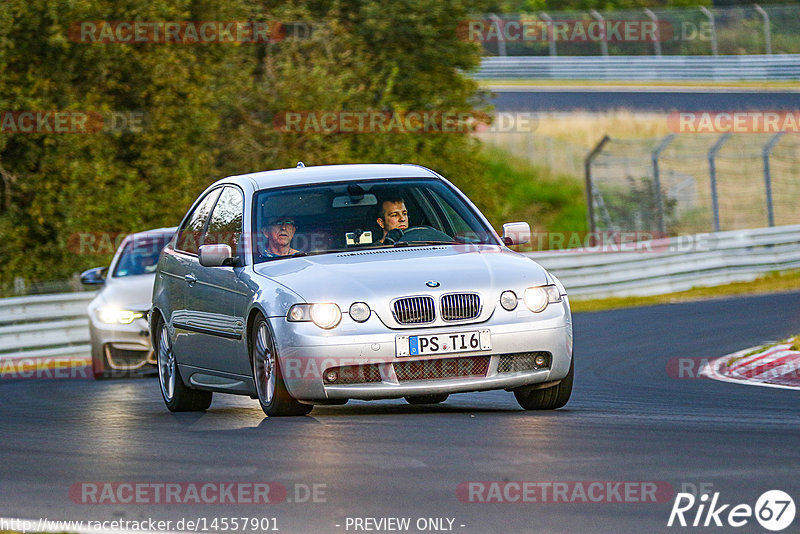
(273, 396)
(99, 371)
(177, 396)
(547, 398)
(427, 399)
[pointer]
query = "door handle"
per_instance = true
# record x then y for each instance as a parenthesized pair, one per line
(190, 279)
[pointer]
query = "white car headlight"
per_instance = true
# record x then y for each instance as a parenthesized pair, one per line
(111, 315)
(508, 300)
(537, 298)
(325, 315)
(359, 311)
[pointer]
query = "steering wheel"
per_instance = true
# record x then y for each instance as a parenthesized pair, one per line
(416, 233)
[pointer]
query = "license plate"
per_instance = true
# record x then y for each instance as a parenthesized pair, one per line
(443, 343)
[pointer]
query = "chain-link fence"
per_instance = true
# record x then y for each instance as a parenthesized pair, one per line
(679, 31)
(691, 183)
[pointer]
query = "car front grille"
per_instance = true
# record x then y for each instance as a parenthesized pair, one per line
(524, 361)
(460, 306)
(468, 367)
(414, 310)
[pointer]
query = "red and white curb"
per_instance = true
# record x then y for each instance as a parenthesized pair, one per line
(777, 366)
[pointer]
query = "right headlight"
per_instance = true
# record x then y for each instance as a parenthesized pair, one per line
(112, 315)
(537, 298)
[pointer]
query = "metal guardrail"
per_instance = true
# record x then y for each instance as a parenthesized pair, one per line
(676, 264)
(642, 68)
(56, 326)
(45, 326)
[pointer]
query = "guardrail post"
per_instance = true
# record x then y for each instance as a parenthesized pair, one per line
(712, 169)
(587, 167)
(551, 32)
(603, 42)
(767, 30)
(19, 285)
(768, 177)
(662, 228)
(711, 21)
(657, 42)
(501, 39)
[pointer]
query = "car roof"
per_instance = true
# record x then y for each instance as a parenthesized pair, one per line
(146, 233)
(332, 173)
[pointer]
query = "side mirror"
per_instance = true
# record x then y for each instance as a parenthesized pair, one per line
(516, 233)
(219, 255)
(94, 277)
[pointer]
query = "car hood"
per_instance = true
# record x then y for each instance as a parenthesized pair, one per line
(129, 292)
(381, 275)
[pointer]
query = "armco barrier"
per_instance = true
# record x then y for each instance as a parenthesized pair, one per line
(642, 68)
(45, 326)
(56, 326)
(676, 264)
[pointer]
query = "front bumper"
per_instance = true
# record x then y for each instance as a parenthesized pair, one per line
(123, 347)
(307, 353)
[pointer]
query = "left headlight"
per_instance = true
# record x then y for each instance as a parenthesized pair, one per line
(537, 298)
(325, 315)
(111, 315)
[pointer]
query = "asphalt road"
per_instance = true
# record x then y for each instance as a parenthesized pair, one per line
(641, 99)
(628, 420)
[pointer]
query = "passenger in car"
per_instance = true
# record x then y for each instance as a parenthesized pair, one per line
(392, 213)
(279, 233)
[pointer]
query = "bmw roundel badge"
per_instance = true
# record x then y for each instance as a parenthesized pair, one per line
(432, 283)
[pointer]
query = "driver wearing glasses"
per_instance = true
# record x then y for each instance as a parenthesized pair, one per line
(279, 233)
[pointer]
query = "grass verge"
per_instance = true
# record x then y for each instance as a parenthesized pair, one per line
(515, 190)
(770, 283)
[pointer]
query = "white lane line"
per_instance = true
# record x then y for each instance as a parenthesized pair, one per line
(635, 89)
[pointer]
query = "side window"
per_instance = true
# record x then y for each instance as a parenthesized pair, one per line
(192, 230)
(225, 224)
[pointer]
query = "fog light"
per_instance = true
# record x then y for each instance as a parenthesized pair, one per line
(331, 376)
(540, 361)
(508, 300)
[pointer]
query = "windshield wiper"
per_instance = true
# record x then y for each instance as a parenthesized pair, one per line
(317, 253)
(418, 243)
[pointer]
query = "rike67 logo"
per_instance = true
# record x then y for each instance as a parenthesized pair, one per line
(774, 510)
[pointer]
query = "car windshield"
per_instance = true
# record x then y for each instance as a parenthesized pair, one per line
(140, 254)
(343, 216)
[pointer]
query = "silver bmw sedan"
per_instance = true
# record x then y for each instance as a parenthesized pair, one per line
(316, 285)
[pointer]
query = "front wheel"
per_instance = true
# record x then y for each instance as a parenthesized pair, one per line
(177, 396)
(99, 370)
(273, 396)
(547, 398)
